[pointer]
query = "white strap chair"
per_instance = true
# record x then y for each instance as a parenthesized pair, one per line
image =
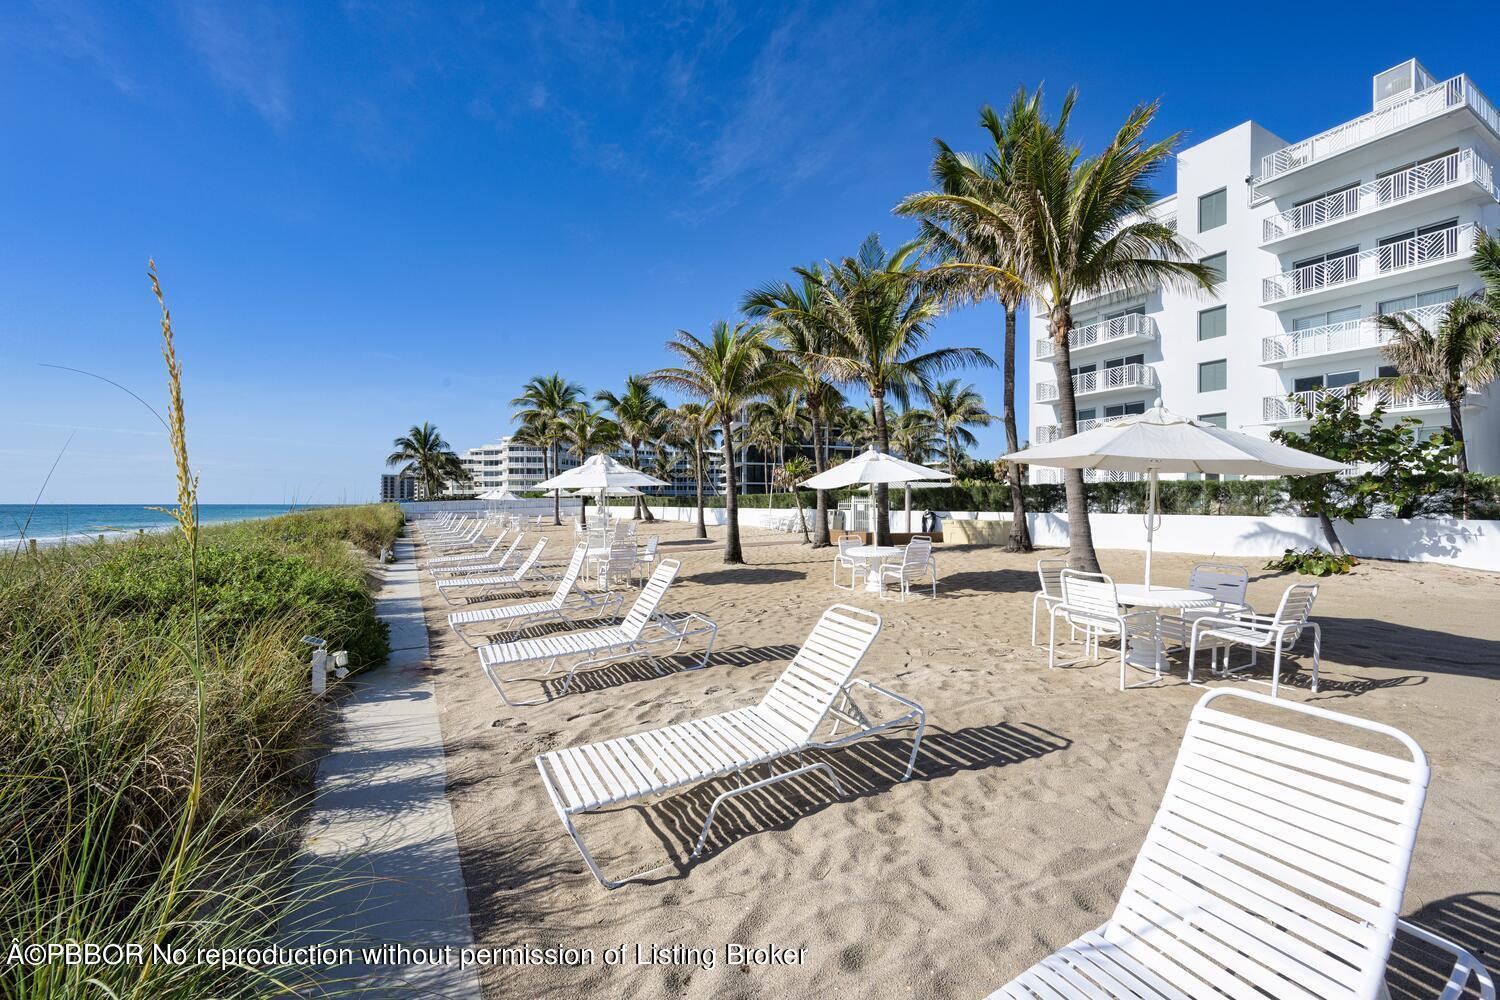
(857, 567)
(916, 562)
(1091, 605)
(1049, 573)
(1274, 870)
(437, 562)
(526, 574)
(642, 630)
(815, 687)
(480, 568)
(569, 602)
(1278, 633)
(618, 564)
(646, 557)
(1226, 581)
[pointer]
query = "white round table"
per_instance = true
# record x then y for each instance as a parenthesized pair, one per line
(873, 555)
(1149, 653)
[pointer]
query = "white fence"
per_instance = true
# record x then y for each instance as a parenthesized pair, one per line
(1469, 544)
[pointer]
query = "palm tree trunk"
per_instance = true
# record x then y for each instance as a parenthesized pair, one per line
(801, 516)
(698, 461)
(882, 491)
(1081, 555)
(1456, 428)
(557, 494)
(1020, 531)
(732, 552)
(820, 515)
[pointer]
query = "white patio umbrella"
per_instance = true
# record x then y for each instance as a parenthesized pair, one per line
(1158, 441)
(496, 495)
(871, 468)
(599, 474)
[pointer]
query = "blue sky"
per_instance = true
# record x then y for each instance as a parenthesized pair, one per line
(377, 212)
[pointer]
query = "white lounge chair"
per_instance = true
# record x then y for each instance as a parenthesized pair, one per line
(1090, 604)
(461, 538)
(473, 557)
(916, 562)
(1274, 870)
(1049, 574)
(642, 630)
(1278, 633)
(567, 603)
(478, 568)
(526, 574)
(815, 686)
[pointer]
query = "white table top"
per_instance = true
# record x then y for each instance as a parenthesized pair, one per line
(873, 551)
(1140, 596)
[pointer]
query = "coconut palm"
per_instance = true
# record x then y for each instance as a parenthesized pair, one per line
(640, 415)
(1083, 227)
(1487, 265)
(788, 475)
(693, 423)
(422, 453)
(774, 422)
(954, 409)
(588, 433)
(542, 404)
(965, 224)
(916, 436)
(1457, 354)
(856, 424)
(879, 318)
(793, 310)
(734, 366)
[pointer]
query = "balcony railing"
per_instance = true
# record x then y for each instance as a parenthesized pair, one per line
(1132, 326)
(1103, 380)
(1299, 405)
(1332, 338)
(1460, 167)
(1047, 433)
(1433, 101)
(1392, 258)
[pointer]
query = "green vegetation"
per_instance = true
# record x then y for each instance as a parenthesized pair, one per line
(153, 764)
(1313, 563)
(423, 454)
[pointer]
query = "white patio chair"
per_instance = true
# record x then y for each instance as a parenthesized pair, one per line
(477, 568)
(916, 562)
(642, 629)
(1226, 581)
(1274, 870)
(1090, 604)
(568, 603)
(538, 520)
(1278, 633)
(618, 564)
(525, 575)
(646, 557)
(816, 686)
(472, 557)
(1049, 573)
(857, 567)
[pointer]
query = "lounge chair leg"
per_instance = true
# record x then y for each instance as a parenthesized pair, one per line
(1317, 649)
(763, 782)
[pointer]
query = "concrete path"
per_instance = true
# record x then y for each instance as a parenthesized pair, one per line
(381, 825)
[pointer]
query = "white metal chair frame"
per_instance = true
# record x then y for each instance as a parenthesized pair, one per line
(1049, 574)
(646, 557)
(1278, 632)
(618, 564)
(1226, 581)
(569, 603)
(1090, 604)
(815, 687)
(916, 560)
(1274, 870)
(857, 567)
(643, 628)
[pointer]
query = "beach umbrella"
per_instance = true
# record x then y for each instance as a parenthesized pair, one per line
(496, 495)
(598, 475)
(873, 467)
(1158, 441)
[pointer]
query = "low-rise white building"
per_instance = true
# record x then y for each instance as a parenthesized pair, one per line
(1314, 239)
(508, 464)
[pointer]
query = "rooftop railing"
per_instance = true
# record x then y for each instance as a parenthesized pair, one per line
(1435, 100)
(1392, 258)
(1103, 380)
(1131, 326)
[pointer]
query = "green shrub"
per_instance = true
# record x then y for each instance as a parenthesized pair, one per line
(1313, 562)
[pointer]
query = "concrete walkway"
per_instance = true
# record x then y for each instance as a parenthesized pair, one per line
(381, 825)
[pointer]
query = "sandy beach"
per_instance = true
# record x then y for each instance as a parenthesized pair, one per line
(1030, 798)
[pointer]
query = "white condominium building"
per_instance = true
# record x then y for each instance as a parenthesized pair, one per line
(1314, 240)
(508, 464)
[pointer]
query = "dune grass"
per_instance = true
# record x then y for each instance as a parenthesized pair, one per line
(151, 764)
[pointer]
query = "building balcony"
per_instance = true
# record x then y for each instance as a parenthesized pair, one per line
(1446, 249)
(1047, 433)
(1456, 95)
(1295, 407)
(1450, 179)
(1120, 378)
(1133, 328)
(1042, 474)
(1349, 337)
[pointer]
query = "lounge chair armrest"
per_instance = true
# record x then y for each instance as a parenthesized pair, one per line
(1465, 965)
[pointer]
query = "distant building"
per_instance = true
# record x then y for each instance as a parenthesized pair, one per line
(508, 464)
(396, 488)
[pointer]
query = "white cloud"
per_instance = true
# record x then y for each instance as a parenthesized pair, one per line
(245, 48)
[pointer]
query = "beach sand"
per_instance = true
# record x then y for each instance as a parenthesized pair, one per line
(1031, 796)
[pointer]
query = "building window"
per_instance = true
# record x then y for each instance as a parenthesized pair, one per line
(1218, 264)
(1213, 375)
(1212, 209)
(1124, 409)
(1213, 323)
(1436, 297)
(1217, 419)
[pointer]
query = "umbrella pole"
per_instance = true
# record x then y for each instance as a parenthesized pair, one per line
(1150, 524)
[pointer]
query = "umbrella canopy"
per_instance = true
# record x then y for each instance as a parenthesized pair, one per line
(497, 494)
(870, 468)
(598, 473)
(1158, 441)
(610, 491)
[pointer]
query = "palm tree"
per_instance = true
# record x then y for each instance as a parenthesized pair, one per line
(787, 476)
(640, 414)
(857, 425)
(1487, 265)
(772, 423)
(1457, 354)
(954, 410)
(965, 224)
(694, 424)
(588, 433)
(793, 309)
(880, 317)
(1083, 226)
(915, 436)
(421, 452)
(543, 403)
(734, 366)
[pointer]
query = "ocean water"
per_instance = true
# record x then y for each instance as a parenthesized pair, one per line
(53, 522)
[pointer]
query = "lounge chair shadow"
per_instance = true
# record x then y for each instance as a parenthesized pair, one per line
(1418, 971)
(868, 767)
